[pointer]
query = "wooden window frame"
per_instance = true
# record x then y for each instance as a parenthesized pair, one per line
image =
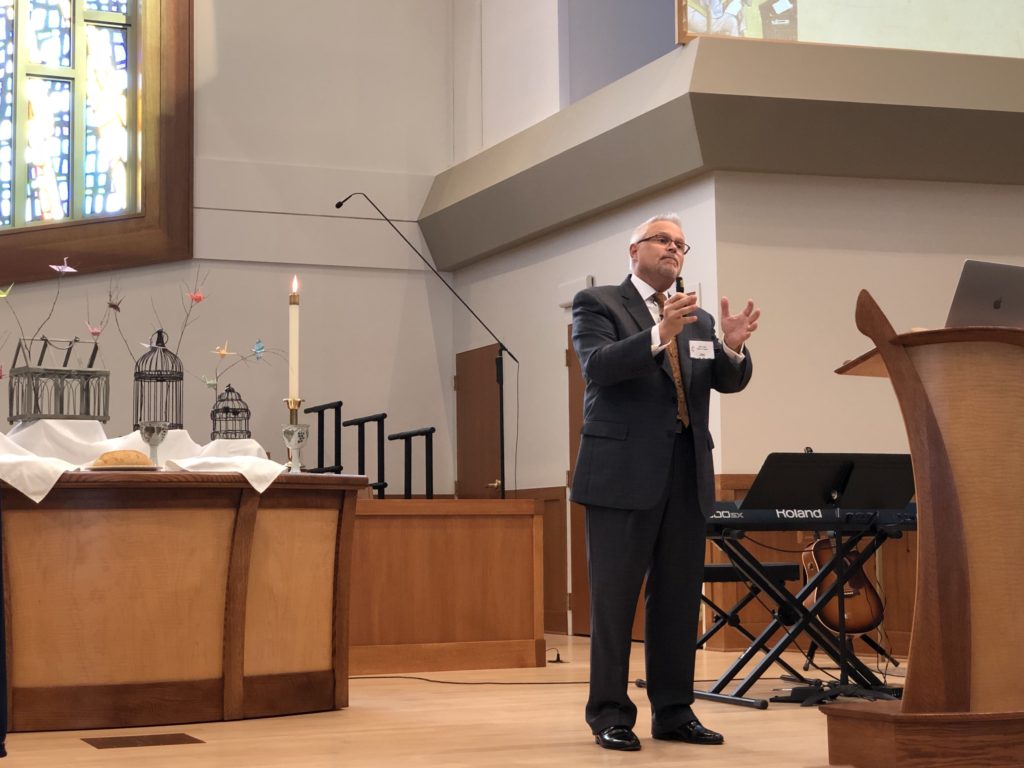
(162, 230)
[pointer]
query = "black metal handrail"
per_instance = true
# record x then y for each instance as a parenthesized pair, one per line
(428, 434)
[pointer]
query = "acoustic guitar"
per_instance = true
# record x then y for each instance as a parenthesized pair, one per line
(861, 602)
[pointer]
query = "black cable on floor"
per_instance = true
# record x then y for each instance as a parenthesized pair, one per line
(496, 682)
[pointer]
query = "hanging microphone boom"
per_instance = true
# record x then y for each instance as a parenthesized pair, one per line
(430, 266)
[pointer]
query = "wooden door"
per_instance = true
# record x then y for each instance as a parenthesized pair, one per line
(478, 455)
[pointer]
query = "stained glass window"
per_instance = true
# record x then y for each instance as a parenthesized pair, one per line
(6, 112)
(111, 6)
(49, 42)
(47, 148)
(69, 126)
(107, 146)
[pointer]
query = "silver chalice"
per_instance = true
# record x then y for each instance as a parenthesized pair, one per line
(295, 436)
(152, 434)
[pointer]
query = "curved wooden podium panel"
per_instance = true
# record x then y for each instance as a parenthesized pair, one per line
(960, 394)
(975, 391)
(170, 597)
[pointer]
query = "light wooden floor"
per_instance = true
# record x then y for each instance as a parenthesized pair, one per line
(409, 723)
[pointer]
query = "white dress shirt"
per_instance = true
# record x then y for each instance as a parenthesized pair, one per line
(647, 294)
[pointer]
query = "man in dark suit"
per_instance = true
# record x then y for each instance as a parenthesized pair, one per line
(650, 358)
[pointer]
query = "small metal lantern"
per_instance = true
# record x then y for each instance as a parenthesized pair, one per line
(53, 388)
(159, 380)
(230, 416)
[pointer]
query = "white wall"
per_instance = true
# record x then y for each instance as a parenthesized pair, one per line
(506, 73)
(603, 40)
(345, 84)
(467, 79)
(802, 247)
(295, 111)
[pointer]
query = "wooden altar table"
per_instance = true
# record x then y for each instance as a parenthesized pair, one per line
(145, 598)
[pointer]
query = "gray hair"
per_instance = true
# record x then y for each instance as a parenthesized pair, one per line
(641, 229)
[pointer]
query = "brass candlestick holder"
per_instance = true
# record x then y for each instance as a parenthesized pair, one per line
(294, 434)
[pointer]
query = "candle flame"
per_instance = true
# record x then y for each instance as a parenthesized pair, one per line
(295, 283)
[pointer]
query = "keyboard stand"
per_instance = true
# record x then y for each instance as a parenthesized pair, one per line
(867, 640)
(805, 488)
(717, 573)
(791, 616)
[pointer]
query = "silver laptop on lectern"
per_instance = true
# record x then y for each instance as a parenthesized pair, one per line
(988, 294)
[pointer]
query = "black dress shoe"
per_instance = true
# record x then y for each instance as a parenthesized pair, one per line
(692, 733)
(618, 737)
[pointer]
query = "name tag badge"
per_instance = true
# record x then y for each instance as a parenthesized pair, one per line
(702, 350)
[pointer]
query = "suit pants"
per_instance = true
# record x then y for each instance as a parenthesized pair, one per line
(666, 544)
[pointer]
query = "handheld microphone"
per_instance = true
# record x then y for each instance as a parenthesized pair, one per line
(680, 288)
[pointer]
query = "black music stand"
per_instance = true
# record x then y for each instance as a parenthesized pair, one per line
(825, 491)
(876, 481)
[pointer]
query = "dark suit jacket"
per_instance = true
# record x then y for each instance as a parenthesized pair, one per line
(629, 408)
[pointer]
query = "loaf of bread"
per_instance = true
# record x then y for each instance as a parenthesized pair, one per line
(122, 458)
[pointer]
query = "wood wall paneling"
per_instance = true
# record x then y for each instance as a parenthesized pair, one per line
(452, 583)
(556, 578)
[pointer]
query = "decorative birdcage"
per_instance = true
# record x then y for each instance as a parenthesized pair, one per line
(159, 380)
(230, 416)
(61, 384)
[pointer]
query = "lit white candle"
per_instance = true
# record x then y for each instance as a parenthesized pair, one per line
(293, 340)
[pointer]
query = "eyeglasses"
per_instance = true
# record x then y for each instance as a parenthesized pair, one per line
(664, 241)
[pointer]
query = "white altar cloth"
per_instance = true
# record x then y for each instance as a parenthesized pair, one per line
(33, 455)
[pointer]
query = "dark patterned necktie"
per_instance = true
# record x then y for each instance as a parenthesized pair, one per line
(673, 360)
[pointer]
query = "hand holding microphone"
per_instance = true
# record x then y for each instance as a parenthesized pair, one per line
(677, 312)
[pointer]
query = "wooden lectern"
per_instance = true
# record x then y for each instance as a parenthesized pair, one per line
(961, 392)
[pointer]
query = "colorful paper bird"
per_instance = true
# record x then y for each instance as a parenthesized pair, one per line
(62, 268)
(258, 349)
(196, 297)
(210, 383)
(94, 330)
(5, 291)
(223, 351)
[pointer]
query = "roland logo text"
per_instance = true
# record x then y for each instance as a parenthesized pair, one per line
(798, 514)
